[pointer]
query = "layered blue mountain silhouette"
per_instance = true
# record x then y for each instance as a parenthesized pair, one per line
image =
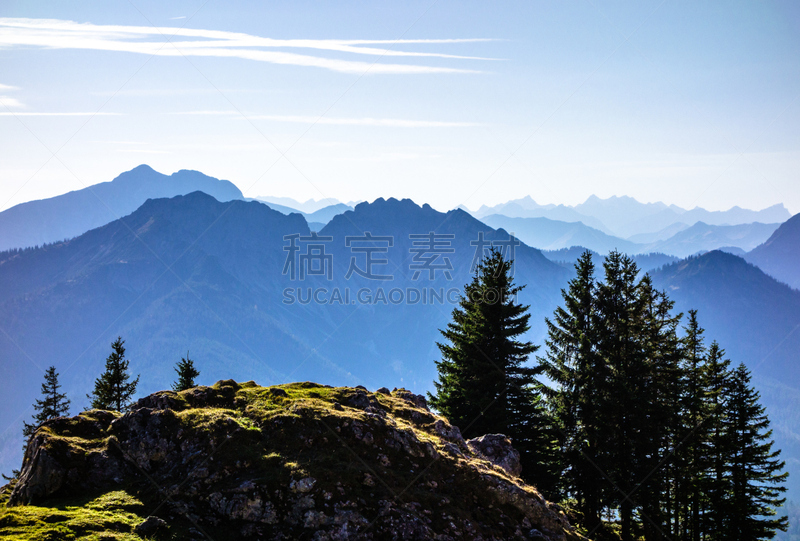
(702, 237)
(253, 294)
(50, 220)
(319, 217)
(597, 224)
(547, 234)
(779, 256)
(757, 320)
(625, 217)
(194, 273)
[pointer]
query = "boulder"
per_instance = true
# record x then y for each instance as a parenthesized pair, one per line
(308, 462)
(497, 449)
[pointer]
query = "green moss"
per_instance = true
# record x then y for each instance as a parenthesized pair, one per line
(110, 516)
(271, 435)
(119, 499)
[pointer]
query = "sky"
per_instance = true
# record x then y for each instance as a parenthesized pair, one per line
(447, 103)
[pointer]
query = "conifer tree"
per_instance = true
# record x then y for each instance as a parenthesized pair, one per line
(755, 481)
(484, 385)
(621, 331)
(655, 430)
(572, 364)
(692, 438)
(660, 408)
(53, 404)
(186, 374)
(714, 485)
(113, 389)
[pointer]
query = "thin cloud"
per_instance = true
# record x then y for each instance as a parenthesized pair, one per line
(62, 34)
(339, 121)
(215, 113)
(29, 113)
(8, 87)
(10, 102)
(142, 151)
(379, 122)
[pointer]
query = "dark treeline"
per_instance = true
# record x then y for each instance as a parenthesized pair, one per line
(628, 417)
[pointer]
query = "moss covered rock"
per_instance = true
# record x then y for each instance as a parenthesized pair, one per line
(295, 461)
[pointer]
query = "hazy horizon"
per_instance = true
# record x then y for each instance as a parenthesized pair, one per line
(332, 199)
(692, 105)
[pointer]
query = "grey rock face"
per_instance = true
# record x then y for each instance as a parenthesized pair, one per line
(497, 449)
(150, 526)
(274, 466)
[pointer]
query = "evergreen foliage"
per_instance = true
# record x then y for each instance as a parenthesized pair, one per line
(754, 478)
(186, 374)
(484, 383)
(114, 388)
(572, 363)
(52, 404)
(656, 433)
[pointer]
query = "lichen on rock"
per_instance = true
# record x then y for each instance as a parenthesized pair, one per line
(289, 461)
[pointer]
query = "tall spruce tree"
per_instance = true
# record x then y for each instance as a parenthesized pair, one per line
(655, 430)
(484, 385)
(693, 434)
(114, 388)
(571, 363)
(754, 468)
(659, 413)
(714, 484)
(52, 404)
(620, 341)
(186, 374)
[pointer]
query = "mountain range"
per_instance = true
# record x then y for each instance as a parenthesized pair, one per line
(625, 217)
(548, 234)
(779, 255)
(66, 216)
(194, 273)
(548, 227)
(317, 219)
(306, 207)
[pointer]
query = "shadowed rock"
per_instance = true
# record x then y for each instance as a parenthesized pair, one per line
(293, 461)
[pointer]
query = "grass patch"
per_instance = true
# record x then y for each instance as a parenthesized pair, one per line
(110, 516)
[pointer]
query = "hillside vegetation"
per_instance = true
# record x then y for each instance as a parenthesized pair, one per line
(295, 461)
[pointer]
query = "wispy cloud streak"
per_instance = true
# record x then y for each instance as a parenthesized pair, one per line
(380, 122)
(339, 121)
(10, 102)
(87, 113)
(62, 34)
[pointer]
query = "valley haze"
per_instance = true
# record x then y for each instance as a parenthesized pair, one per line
(208, 274)
(285, 204)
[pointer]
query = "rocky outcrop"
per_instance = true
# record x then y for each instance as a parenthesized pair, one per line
(292, 461)
(497, 449)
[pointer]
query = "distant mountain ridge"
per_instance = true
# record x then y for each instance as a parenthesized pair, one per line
(306, 207)
(320, 216)
(625, 217)
(779, 256)
(756, 319)
(66, 216)
(702, 236)
(192, 272)
(548, 234)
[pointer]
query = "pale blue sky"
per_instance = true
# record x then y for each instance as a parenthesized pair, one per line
(695, 104)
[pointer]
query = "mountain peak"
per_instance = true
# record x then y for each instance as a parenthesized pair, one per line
(779, 256)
